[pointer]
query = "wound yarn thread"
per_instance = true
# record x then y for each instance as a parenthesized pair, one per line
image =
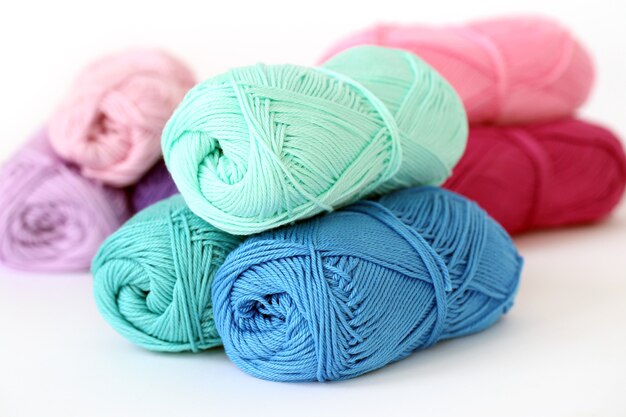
(317, 301)
(152, 278)
(155, 186)
(111, 121)
(432, 124)
(542, 175)
(507, 70)
(263, 146)
(51, 218)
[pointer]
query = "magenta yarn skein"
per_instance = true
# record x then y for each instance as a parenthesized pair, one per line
(508, 70)
(111, 121)
(542, 175)
(51, 218)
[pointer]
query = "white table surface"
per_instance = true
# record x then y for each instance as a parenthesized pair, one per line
(560, 352)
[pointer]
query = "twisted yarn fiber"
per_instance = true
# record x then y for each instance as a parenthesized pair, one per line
(155, 186)
(508, 70)
(262, 146)
(344, 294)
(542, 175)
(110, 123)
(152, 278)
(51, 218)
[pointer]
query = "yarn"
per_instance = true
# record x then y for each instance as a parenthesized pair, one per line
(263, 146)
(155, 186)
(111, 121)
(51, 218)
(508, 70)
(544, 175)
(349, 292)
(152, 278)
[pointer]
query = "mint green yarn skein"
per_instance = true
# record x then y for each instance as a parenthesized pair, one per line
(152, 278)
(263, 146)
(430, 116)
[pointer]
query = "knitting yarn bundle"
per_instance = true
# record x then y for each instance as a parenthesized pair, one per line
(351, 291)
(263, 146)
(51, 218)
(152, 278)
(542, 175)
(507, 70)
(111, 121)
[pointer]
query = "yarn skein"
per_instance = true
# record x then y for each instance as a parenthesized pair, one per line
(352, 291)
(543, 175)
(111, 121)
(152, 278)
(508, 70)
(297, 141)
(155, 186)
(51, 218)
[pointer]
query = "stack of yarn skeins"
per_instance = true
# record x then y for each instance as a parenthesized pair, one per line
(265, 151)
(317, 221)
(530, 162)
(271, 249)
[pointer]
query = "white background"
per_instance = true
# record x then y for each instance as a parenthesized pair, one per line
(561, 351)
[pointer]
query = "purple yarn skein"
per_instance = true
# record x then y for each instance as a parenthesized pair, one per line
(51, 218)
(155, 186)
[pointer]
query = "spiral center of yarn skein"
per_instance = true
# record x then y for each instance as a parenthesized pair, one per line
(152, 278)
(43, 218)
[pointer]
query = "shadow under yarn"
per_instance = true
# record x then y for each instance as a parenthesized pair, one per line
(543, 175)
(152, 278)
(351, 291)
(51, 218)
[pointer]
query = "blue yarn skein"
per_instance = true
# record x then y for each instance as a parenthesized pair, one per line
(352, 291)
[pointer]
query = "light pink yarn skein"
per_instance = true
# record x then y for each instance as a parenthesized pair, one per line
(111, 121)
(507, 70)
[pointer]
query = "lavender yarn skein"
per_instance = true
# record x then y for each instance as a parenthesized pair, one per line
(155, 186)
(51, 218)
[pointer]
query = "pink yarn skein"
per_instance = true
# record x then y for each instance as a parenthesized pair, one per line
(110, 123)
(51, 218)
(508, 70)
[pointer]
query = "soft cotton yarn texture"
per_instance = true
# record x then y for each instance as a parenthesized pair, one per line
(262, 146)
(51, 218)
(111, 121)
(349, 292)
(508, 70)
(546, 175)
(152, 278)
(155, 186)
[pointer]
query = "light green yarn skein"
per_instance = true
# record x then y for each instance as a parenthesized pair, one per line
(262, 146)
(430, 116)
(152, 278)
